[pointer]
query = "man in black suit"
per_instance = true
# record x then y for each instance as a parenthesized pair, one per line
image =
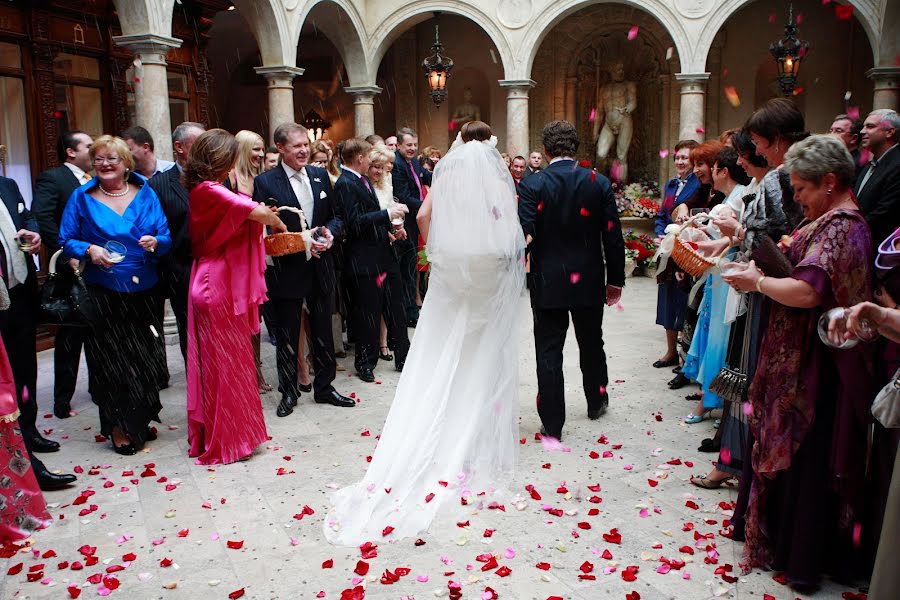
(534, 164)
(409, 180)
(175, 266)
(878, 185)
(292, 280)
(51, 194)
(570, 221)
(374, 274)
(18, 324)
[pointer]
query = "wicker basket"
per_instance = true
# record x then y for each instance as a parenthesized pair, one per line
(689, 260)
(280, 244)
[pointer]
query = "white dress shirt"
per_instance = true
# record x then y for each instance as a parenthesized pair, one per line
(80, 175)
(302, 190)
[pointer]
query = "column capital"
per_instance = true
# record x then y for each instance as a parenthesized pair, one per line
(149, 47)
(363, 94)
(884, 74)
(279, 76)
(517, 88)
(692, 83)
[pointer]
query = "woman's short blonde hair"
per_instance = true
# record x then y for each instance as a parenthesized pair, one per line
(432, 150)
(818, 155)
(116, 144)
(381, 153)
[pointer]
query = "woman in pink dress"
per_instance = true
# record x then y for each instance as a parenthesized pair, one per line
(22, 506)
(225, 418)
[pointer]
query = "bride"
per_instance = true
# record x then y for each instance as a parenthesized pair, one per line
(452, 429)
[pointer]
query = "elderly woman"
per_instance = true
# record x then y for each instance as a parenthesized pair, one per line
(671, 297)
(809, 404)
(227, 287)
(706, 356)
(116, 222)
(381, 163)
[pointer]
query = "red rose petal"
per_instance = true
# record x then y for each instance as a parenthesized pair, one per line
(328, 564)
(235, 544)
(15, 569)
(236, 594)
(362, 567)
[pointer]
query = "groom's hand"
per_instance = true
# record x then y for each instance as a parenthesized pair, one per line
(613, 295)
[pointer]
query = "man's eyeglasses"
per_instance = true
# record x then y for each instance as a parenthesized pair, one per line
(112, 160)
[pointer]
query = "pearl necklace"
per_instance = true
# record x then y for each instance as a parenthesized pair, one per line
(112, 194)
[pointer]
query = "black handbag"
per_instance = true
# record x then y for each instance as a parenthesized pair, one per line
(67, 304)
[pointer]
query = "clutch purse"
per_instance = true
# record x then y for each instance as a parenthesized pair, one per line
(886, 407)
(731, 383)
(770, 259)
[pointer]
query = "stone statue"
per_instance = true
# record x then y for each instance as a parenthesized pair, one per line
(615, 104)
(465, 112)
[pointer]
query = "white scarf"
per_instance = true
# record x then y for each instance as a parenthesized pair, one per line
(16, 263)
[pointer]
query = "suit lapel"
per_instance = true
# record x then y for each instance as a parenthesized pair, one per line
(177, 188)
(286, 192)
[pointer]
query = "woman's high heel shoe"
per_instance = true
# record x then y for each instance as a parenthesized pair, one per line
(127, 450)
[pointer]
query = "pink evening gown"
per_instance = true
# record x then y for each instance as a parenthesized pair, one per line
(225, 417)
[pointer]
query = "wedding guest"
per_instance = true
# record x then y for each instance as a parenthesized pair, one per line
(774, 128)
(334, 156)
(391, 142)
(373, 269)
(706, 356)
(318, 154)
(878, 185)
(293, 280)
(19, 242)
(272, 157)
(52, 191)
(849, 130)
(22, 507)
(409, 180)
(374, 139)
(433, 154)
(517, 170)
(671, 297)
(140, 143)
(115, 221)
(506, 159)
(175, 266)
(809, 406)
(227, 288)
(249, 164)
(535, 159)
(381, 163)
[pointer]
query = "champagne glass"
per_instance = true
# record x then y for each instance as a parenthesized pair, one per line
(833, 329)
(115, 251)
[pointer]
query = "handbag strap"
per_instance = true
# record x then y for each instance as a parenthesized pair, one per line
(745, 347)
(51, 264)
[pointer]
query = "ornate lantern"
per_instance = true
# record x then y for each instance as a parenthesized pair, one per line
(788, 52)
(316, 125)
(437, 69)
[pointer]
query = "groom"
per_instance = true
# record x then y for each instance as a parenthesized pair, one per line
(571, 224)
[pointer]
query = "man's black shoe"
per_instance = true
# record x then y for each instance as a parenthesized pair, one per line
(48, 481)
(335, 399)
(38, 443)
(286, 406)
(366, 375)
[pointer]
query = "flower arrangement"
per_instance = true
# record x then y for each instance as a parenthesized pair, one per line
(645, 208)
(631, 255)
(642, 245)
(638, 199)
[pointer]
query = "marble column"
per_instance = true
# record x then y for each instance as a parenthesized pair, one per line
(887, 87)
(363, 108)
(280, 80)
(517, 131)
(151, 86)
(693, 104)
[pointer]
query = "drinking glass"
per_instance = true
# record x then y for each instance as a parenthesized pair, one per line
(729, 268)
(116, 251)
(833, 327)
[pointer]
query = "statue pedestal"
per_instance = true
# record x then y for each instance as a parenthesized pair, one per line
(639, 225)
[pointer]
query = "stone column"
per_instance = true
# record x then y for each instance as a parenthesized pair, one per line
(571, 98)
(887, 87)
(517, 130)
(693, 99)
(364, 108)
(151, 86)
(281, 94)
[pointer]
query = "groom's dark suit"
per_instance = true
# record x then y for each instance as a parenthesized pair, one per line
(571, 214)
(292, 279)
(373, 273)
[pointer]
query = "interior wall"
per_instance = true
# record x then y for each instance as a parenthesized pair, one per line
(838, 58)
(321, 87)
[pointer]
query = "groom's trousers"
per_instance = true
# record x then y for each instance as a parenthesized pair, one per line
(550, 328)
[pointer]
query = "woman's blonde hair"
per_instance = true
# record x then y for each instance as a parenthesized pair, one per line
(332, 165)
(244, 169)
(211, 158)
(381, 153)
(115, 143)
(319, 146)
(432, 150)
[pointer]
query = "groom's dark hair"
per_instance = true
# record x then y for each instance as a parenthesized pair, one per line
(560, 139)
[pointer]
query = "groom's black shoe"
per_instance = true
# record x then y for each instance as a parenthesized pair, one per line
(335, 399)
(598, 411)
(366, 375)
(286, 406)
(399, 365)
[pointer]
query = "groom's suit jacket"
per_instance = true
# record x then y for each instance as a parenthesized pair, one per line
(577, 247)
(368, 251)
(292, 276)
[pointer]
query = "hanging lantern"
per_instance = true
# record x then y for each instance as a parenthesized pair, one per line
(315, 125)
(789, 52)
(437, 69)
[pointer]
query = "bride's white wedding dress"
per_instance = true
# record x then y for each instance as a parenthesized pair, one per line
(452, 430)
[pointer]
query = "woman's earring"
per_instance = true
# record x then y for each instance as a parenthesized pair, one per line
(829, 191)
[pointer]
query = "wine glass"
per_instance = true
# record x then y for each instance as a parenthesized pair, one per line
(833, 329)
(729, 268)
(115, 252)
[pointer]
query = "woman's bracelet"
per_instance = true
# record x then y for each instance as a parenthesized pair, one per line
(88, 251)
(759, 284)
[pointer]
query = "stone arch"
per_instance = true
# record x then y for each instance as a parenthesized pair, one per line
(332, 17)
(558, 11)
(867, 12)
(407, 16)
(270, 26)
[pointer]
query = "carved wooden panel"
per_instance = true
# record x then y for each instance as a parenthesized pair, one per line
(44, 86)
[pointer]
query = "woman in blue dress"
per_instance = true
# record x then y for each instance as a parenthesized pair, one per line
(710, 343)
(115, 222)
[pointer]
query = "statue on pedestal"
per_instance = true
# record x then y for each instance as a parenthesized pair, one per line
(616, 102)
(465, 112)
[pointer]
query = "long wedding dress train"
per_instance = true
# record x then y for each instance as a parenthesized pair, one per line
(452, 429)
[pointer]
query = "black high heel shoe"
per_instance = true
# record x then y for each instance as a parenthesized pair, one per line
(127, 450)
(385, 354)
